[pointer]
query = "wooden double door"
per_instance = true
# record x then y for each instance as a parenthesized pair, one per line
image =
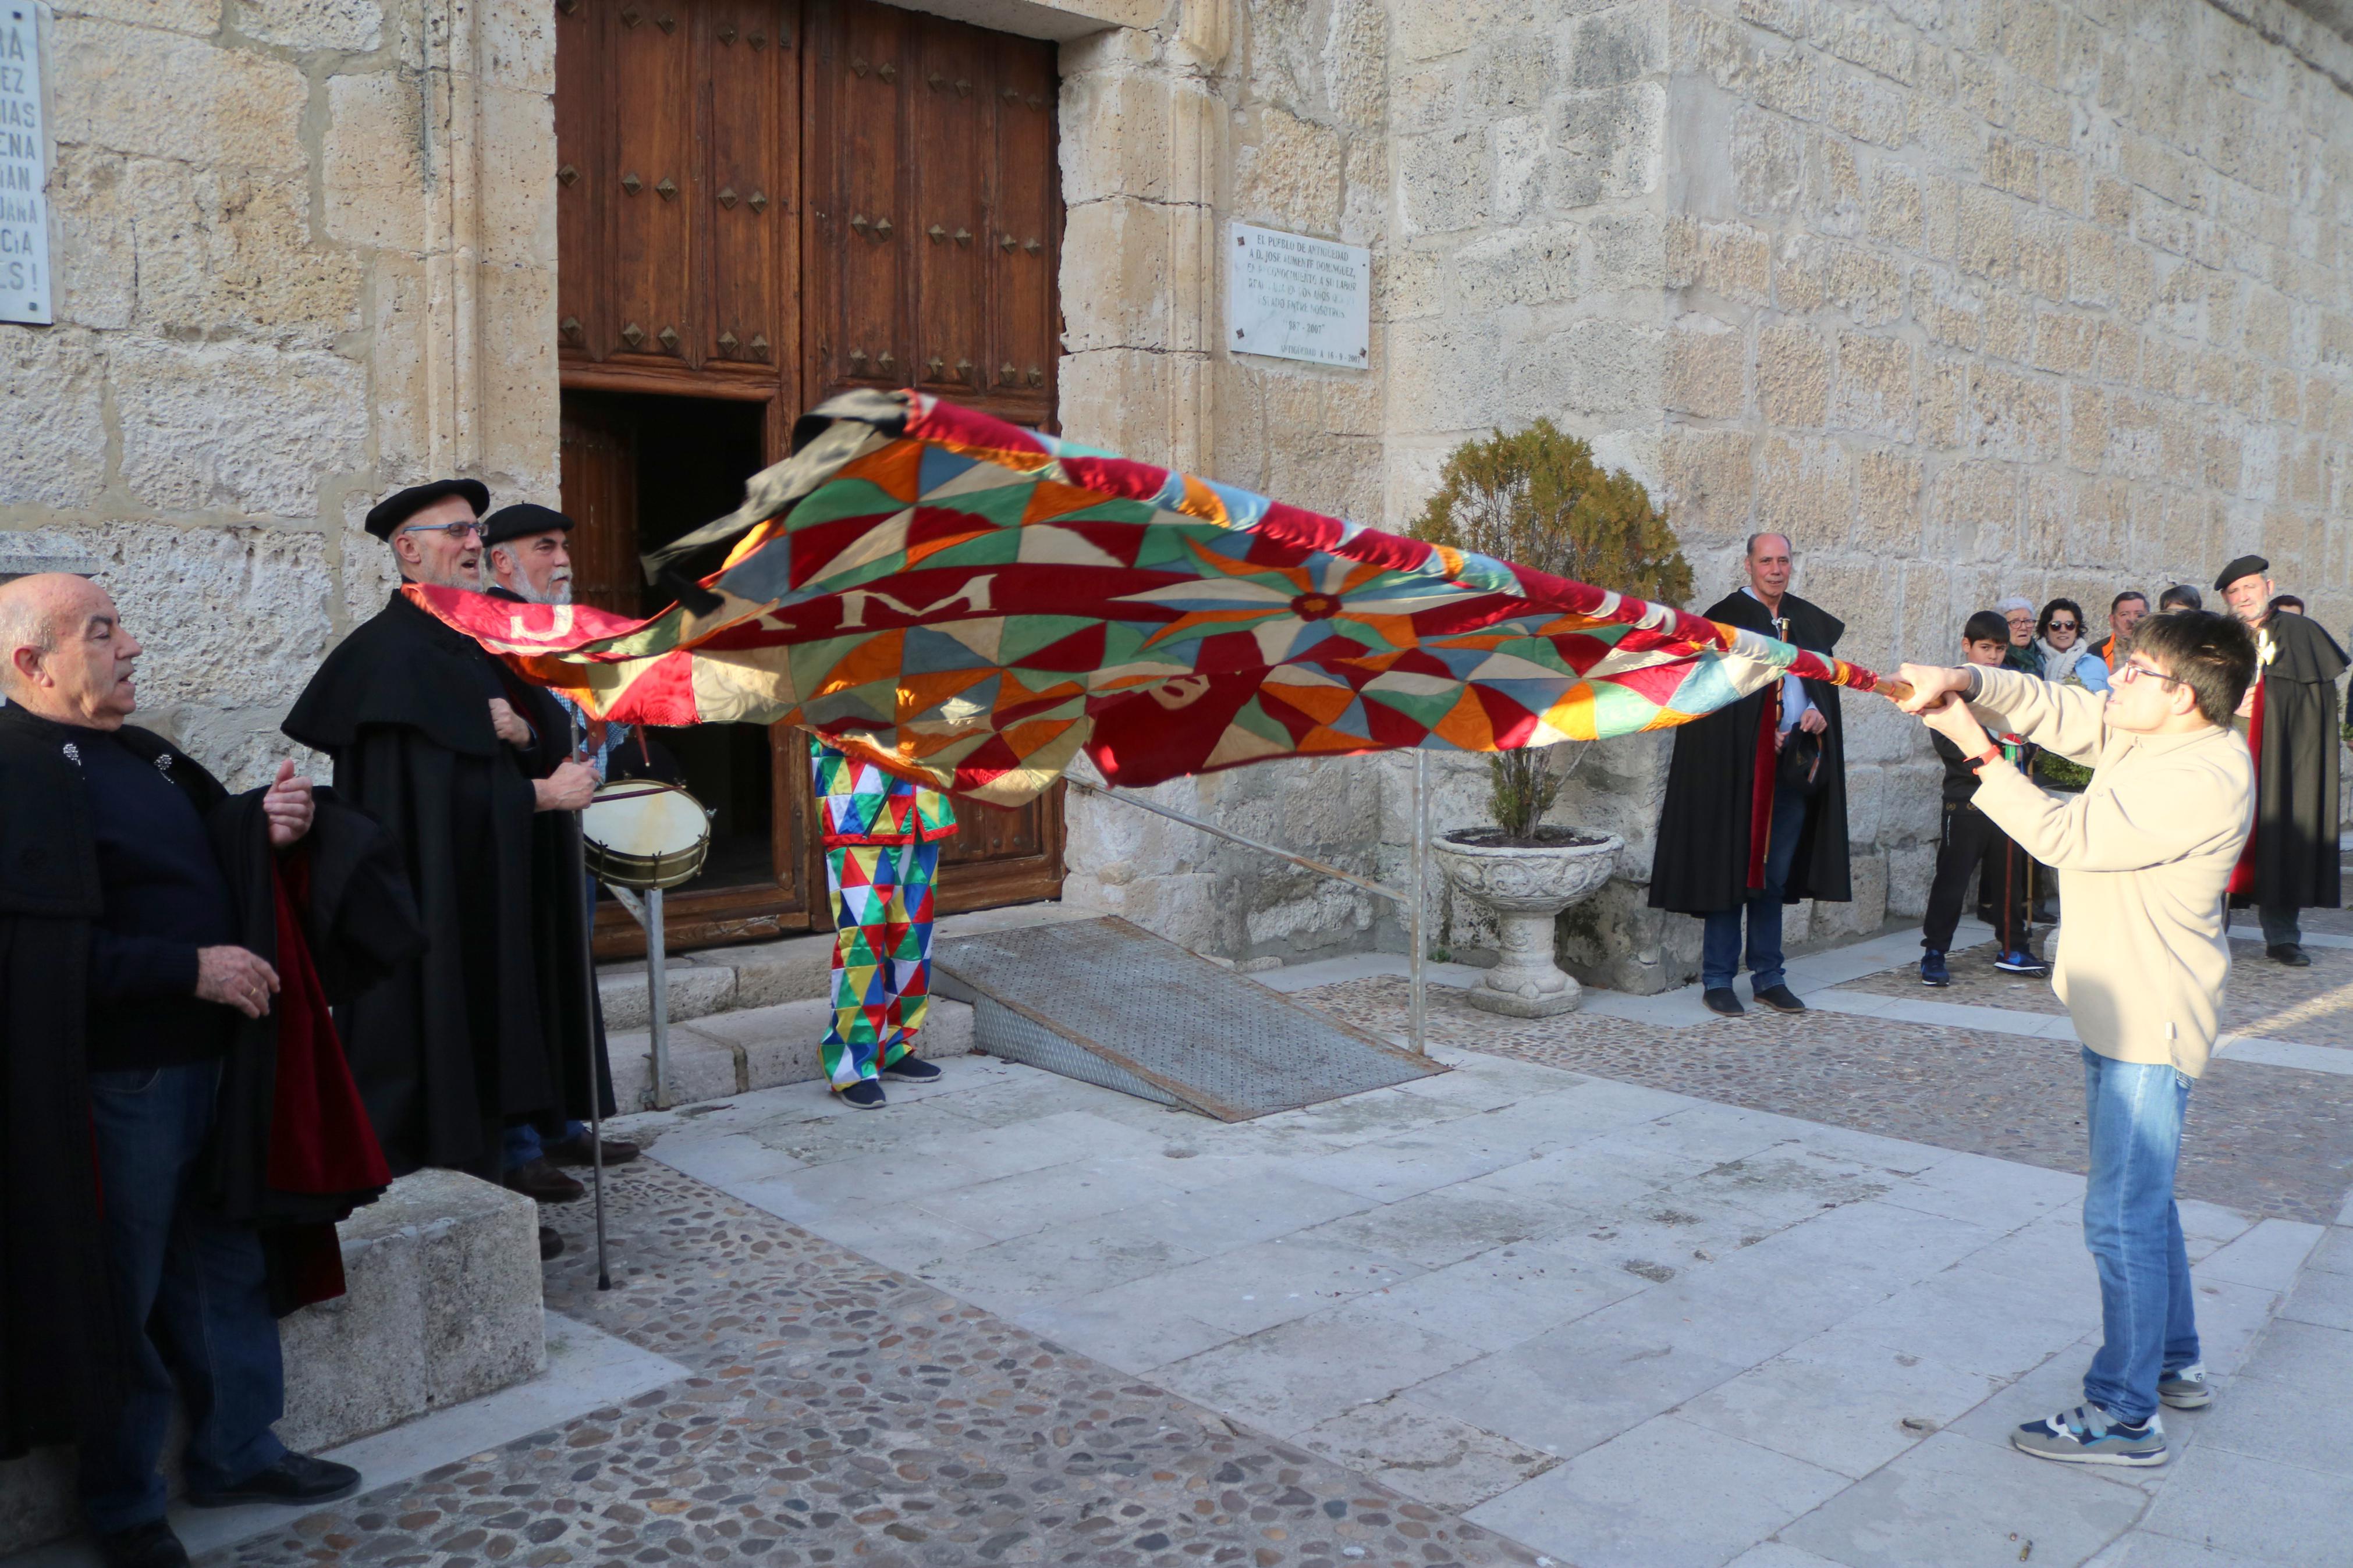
(760, 204)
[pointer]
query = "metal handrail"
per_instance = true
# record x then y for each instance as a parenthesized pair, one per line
(1412, 903)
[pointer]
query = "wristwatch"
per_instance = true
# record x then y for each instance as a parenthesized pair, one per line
(1992, 753)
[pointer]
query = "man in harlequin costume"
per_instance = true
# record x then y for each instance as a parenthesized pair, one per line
(881, 854)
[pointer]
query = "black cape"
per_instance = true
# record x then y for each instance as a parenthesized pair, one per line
(2294, 856)
(464, 1039)
(1701, 864)
(60, 1367)
(560, 926)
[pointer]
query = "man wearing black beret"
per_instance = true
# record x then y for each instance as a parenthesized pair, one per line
(428, 733)
(2290, 721)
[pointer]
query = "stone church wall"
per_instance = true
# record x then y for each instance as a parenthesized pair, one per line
(1968, 297)
(270, 224)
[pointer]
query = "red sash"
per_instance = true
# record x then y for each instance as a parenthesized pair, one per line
(1761, 789)
(2243, 875)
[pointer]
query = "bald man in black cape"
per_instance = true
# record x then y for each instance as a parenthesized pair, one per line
(430, 735)
(2291, 859)
(1755, 816)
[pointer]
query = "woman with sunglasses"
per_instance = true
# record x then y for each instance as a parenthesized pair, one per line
(2067, 657)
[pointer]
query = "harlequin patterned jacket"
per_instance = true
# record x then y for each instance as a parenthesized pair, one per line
(858, 803)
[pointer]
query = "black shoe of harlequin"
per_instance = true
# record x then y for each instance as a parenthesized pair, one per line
(298, 1478)
(1781, 999)
(551, 1246)
(914, 1070)
(148, 1545)
(2290, 953)
(1723, 999)
(865, 1094)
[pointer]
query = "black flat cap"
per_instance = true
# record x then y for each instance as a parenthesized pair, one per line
(522, 521)
(2244, 566)
(396, 509)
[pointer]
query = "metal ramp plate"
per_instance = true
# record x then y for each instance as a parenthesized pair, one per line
(1109, 1002)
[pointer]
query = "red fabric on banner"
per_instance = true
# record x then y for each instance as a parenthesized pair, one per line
(320, 1140)
(2243, 875)
(1760, 788)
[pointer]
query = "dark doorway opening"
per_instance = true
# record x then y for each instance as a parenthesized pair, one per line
(639, 470)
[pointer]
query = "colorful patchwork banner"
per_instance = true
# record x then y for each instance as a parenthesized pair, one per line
(971, 605)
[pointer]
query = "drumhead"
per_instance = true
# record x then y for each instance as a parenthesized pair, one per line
(643, 833)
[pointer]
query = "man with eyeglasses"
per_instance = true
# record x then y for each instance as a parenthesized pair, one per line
(428, 734)
(2144, 855)
(2290, 722)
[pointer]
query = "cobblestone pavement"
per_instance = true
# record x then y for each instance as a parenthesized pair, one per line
(844, 1413)
(1976, 984)
(2266, 1139)
(2311, 1007)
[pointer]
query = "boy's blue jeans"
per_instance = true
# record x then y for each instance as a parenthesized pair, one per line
(2133, 1111)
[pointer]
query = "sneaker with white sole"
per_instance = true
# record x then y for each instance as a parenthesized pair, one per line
(2188, 1388)
(2088, 1435)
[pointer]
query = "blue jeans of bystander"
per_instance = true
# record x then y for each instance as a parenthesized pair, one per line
(194, 1293)
(1719, 952)
(2133, 1228)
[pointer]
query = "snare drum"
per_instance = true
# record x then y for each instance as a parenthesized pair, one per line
(643, 833)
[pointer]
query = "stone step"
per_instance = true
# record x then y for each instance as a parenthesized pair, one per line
(735, 1052)
(442, 1305)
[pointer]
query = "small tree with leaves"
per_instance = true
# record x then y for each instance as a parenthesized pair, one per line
(1536, 498)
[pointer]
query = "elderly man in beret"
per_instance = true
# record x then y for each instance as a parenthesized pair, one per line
(527, 556)
(428, 733)
(2290, 719)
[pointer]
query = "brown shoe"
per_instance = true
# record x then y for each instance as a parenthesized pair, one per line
(542, 1181)
(577, 1150)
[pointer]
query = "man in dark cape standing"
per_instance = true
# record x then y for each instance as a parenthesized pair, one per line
(526, 560)
(1755, 816)
(427, 735)
(2290, 716)
(178, 1133)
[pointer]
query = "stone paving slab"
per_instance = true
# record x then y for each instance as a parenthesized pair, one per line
(2261, 1138)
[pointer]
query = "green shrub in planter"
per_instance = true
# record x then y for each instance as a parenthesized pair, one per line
(2060, 774)
(1536, 498)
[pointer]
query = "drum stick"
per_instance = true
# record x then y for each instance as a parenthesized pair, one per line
(588, 1023)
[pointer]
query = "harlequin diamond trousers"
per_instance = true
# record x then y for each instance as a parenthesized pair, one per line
(881, 898)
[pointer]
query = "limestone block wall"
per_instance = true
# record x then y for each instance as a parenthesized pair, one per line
(1981, 297)
(1165, 141)
(1968, 297)
(287, 282)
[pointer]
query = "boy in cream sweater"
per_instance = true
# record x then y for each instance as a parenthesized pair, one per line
(2143, 855)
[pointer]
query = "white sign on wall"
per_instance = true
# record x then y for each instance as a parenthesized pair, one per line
(25, 286)
(1291, 297)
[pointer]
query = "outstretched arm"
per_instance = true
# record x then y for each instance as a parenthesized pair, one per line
(2061, 719)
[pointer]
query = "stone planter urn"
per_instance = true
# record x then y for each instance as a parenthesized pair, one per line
(1525, 887)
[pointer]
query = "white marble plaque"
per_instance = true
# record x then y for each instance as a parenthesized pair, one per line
(1291, 297)
(26, 293)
